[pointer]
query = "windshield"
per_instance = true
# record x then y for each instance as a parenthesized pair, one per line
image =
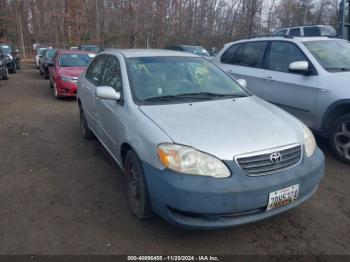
(6, 49)
(161, 79)
(89, 48)
(198, 50)
(41, 51)
(75, 60)
(50, 53)
(333, 55)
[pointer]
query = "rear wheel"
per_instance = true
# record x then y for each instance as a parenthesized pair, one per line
(340, 138)
(84, 127)
(137, 190)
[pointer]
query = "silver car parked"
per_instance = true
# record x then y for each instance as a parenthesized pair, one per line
(308, 77)
(196, 148)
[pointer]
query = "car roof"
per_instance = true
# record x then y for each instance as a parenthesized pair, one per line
(128, 53)
(288, 39)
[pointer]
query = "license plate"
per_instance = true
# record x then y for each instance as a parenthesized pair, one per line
(282, 197)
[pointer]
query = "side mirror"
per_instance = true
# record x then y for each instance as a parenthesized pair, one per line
(107, 92)
(301, 67)
(242, 82)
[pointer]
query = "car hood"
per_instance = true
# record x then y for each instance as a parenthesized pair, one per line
(227, 128)
(71, 71)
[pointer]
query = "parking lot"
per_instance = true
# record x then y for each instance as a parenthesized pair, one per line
(62, 194)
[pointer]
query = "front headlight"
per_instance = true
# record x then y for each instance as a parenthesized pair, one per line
(66, 79)
(309, 142)
(187, 160)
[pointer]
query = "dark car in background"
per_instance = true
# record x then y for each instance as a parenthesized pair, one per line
(45, 60)
(13, 59)
(90, 48)
(198, 50)
(4, 73)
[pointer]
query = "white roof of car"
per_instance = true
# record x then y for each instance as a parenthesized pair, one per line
(148, 52)
(291, 39)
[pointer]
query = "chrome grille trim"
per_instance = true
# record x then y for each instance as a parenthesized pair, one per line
(259, 164)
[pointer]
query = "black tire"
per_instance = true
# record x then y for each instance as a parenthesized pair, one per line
(19, 64)
(339, 139)
(6, 76)
(136, 187)
(84, 127)
(14, 69)
(51, 85)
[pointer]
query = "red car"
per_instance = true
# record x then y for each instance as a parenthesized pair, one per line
(66, 67)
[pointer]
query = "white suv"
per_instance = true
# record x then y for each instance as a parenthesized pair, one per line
(307, 76)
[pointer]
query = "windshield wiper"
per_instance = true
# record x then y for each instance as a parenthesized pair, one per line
(338, 69)
(210, 95)
(198, 96)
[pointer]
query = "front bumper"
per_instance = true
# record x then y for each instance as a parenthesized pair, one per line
(209, 203)
(66, 89)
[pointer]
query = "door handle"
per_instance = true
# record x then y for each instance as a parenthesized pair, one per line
(269, 78)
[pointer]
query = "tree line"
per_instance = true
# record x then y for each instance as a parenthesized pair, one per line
(152, 23)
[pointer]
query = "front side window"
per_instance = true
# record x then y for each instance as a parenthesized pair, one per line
(333, 55)
(94, 72)
(112, 75)
(282, 54)
(174, 79)
(229, 54)
(312, 31)
(251, 54)
(281, 32)
(75, 60)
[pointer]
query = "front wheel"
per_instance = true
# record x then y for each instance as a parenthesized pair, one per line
(136, 187)
(340, 138)
(84, 127)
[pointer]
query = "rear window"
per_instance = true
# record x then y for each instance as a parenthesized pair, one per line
(312, 31)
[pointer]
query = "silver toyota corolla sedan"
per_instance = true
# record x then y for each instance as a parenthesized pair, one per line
(196, 147)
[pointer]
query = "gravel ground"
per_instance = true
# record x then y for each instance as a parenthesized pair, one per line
(61, 194)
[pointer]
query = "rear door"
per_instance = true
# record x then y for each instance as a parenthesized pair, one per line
(296, 93)
(245, 60)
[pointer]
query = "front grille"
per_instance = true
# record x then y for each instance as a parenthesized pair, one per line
(261, 164)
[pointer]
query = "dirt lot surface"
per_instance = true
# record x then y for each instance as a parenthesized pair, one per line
(61, 194)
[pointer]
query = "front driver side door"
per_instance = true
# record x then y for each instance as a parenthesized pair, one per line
(110, 112)
(92, 79)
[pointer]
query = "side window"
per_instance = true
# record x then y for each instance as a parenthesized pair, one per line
(228, 56)
(294, 32)
(312, 31)
(251, 54)
(281, 32)
(282, 54)
(112, 75)
(94, 72)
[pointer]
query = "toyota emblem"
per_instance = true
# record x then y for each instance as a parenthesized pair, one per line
(275, 157)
